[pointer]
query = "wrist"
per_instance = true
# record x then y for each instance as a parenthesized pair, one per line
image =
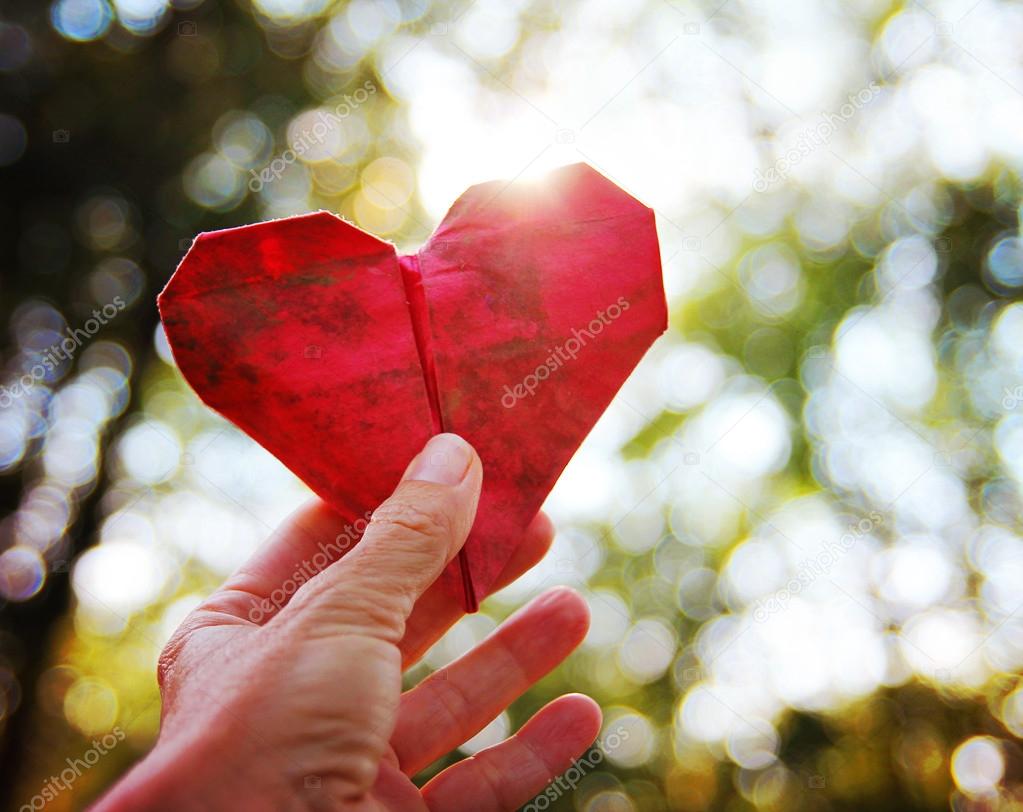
(178, 777)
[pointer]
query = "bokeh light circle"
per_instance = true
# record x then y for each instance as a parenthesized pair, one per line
(978, 765)
(22, 573)
(81, 20)
(13, 139)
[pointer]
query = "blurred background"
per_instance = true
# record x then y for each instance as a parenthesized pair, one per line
(798, 526)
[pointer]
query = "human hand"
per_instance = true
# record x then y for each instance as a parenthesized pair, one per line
(304, 710)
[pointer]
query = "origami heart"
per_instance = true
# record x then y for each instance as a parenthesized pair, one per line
(514, 326)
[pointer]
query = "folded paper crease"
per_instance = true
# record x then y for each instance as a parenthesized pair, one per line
(416, 298)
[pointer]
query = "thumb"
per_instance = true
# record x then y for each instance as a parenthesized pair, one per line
(409, 540)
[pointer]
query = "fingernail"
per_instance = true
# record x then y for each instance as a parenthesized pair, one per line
(445, 460)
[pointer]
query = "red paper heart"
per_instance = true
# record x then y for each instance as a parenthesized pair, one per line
(513, 326)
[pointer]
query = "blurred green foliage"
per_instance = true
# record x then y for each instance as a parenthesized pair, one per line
(845, 347)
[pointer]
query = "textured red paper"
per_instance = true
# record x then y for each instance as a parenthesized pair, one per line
(513, 326)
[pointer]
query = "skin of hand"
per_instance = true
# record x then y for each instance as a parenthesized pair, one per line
(304, 710)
